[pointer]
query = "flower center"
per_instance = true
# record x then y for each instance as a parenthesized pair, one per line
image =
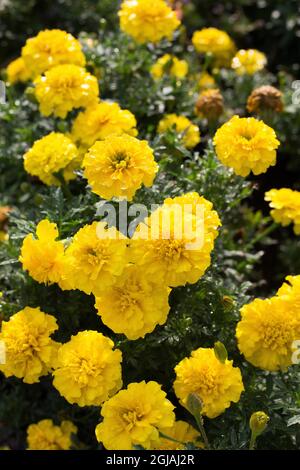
(276, 335)
(170, 248)
(206, 381)
(120, 161)
(131, 418)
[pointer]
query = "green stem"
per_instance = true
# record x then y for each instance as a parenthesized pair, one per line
(170, 438)
(199, 421)
(252, 441)
(262, 235)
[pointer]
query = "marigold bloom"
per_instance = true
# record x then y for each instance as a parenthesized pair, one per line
(285, 205)
(100, 121)
(206, 81)
(216, 383)
(147, 20)
(49, 155)
(134, 417)
(248, 61)
(182, 432)
(210, 104)
(51, 48)
(42, 256)
(118, 166)
(188, 131)
(216, 42)
(135, 304)
(16, 71)
(65, 87)
(174, 244)
(45, 435)
(169, 65)
(291, 290)
(93, 260)
(266, 332)
(88, 370)
(246, 144)
(265, 98)
(30, 352)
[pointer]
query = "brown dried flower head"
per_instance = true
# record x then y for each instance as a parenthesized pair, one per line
(210, 104)
(265, 98)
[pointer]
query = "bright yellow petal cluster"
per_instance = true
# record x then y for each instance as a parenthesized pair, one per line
(175, 242)
(45, 435)
(135, 304)
(248, 61)
(291, 288)
(134, 417)
(30, 352)
(147, 20)
(206, 81)
(43, 256)
(216, 42)
(94, 259)
(188, 131)
(65, 87)
(49, 155)
(49, 49)
(246, 144)
(216, 383)
(267, 330)
(285, 205)
(17, 72)
(118, 166)
(88, 370)
(169, 65)
(100, 121)
(183, 433)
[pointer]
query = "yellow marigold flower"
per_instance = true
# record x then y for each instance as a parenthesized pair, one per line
(183, 433)
(45, 435)
(285, 205)
(216, 383)
(169, 65)
(206, 81)
(147, 20)
(266, 332)
(65, 87)
(118, 166)
(134, 417)
(88, 370)
(16, 71)
(248, 61)
(94, 259)
(49, 155)
(30, 352)
(100, 121)
(246, 144)
(42, 256)
(210, 104)
(291, 288)
(216, 42)
(135, 304)
(51, 48)
(188, 131)
(265, 98)
(174, 244)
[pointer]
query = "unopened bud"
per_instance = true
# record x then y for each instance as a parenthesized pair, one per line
(258, 422)
(220, 352)
(194, 404)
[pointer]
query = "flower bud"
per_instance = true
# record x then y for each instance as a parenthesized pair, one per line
(220, 352)
(265, 98)
(258, 422)
(210, 104)
(194, 404)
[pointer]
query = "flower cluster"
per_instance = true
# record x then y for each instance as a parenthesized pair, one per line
(65, 87)
(216, 383)
(246, 144)
(248, 61)
(147, 20)
(169, 65)
(45, 435)
(188, 131)
(51, 155)
(30, 351)
(118, 166)
(285, 207)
